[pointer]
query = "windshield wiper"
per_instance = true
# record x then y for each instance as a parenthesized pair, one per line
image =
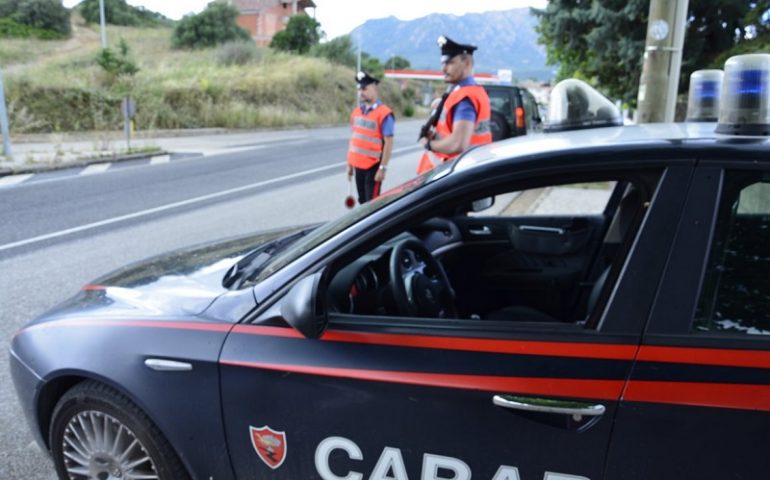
(250, 265)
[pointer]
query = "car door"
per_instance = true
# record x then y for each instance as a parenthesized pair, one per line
(384, 397)
(502, 104)
(698, 401)
(536, 247)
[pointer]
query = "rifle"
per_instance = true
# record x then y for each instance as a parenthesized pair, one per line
(434, 116)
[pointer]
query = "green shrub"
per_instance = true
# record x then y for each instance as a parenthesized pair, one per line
(238, 53)
(43, 14)
(213, 26)
(9, 28)
(117, 63)
(118, 12)
(66, 109)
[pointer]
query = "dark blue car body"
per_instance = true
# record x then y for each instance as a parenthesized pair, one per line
(386, 394)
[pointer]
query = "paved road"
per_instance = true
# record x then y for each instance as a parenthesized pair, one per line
(62, 231)
(63, 200)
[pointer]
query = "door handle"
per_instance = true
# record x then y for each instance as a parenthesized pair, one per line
(546, 405)
(163, 365)
(484, 230)
(537, 228)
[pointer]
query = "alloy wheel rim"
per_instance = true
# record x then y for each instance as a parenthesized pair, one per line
(97, 446)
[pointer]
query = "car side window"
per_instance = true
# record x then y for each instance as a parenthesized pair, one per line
(735, 297)
(536, 255)
(499, 101)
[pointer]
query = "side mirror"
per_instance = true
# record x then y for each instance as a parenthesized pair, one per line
(302, 307)
(482, 204)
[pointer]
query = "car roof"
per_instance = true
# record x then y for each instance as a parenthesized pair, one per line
(674, 137)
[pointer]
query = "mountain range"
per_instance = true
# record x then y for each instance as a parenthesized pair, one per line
(506, 40)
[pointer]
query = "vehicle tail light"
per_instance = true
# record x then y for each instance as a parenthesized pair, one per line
(520, 117)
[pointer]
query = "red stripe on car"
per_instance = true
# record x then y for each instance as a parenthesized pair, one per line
(706, 356)
(521, 347)
(720, 395)
(576, 388)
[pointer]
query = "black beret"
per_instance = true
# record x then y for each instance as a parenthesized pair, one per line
(450, 48)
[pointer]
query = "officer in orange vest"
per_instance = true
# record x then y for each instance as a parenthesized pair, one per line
(372, 142)
(464, 120)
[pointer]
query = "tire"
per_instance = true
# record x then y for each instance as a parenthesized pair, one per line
(94, 425)
(499, 126)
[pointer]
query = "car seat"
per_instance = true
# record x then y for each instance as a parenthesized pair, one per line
(627, 212)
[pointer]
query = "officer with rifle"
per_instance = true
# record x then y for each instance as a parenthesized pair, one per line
(462, 117)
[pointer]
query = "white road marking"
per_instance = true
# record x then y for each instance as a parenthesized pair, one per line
(160, 159)
(406, 149)
(95, 168)
(14, 179)
(169, 206)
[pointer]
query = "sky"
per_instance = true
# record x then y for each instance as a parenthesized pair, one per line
(339, 17)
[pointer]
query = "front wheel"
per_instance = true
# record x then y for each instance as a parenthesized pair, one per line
(97, 433)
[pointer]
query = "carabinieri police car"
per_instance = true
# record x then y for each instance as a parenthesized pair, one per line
(590, 304)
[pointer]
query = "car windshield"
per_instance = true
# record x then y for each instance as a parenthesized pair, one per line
(332, 228)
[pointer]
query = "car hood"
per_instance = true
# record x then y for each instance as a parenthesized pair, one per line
(181, 283)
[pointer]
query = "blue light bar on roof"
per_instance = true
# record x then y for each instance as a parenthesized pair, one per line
(751, 82)
(709, 89)
(705, 92)
(745, 104)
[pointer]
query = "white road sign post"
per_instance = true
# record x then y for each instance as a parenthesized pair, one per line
(103, 23)
(4, 129)
(128, 108)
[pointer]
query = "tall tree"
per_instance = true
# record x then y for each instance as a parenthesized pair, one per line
(603, 40)
(301, 33)
(339, 50)
(398, 62)
(758, 17)
(713, 26)
(214, 25)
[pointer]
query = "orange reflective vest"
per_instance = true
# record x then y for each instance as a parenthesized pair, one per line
(365, 147)
(482, 132)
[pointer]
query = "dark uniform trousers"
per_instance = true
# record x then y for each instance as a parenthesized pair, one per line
(365, 184)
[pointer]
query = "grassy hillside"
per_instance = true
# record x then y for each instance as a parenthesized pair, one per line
(54, 86)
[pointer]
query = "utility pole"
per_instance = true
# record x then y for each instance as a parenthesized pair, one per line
(659, 82)
(4, 130)
(358, 63)
(103, 23)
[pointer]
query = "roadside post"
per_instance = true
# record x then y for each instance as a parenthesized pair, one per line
(102, 24)
(358, 66)
(4, 129)
(128, 108)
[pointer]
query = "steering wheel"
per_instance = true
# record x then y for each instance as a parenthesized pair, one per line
(419, 284)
